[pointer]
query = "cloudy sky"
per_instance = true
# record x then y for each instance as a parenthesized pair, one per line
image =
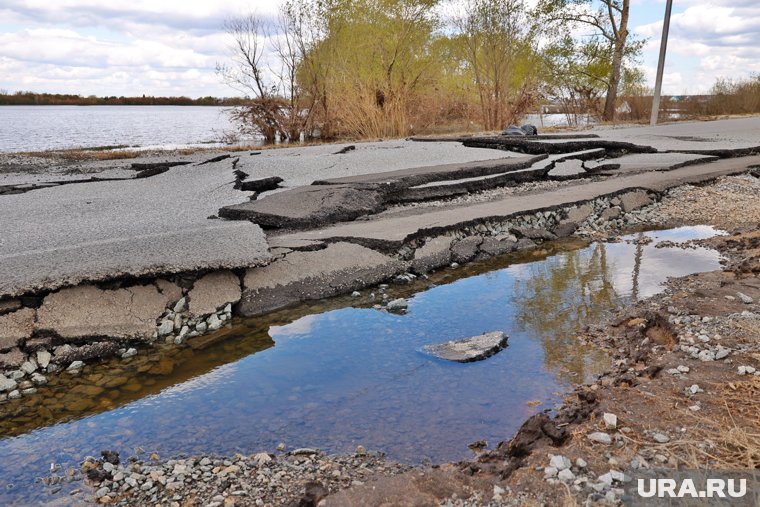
(170, 47)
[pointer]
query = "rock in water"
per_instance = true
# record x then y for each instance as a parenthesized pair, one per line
(465, 350)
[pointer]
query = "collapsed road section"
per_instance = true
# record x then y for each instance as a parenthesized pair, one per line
(102, 266)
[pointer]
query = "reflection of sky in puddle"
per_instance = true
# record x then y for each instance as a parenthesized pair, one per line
(641, 270)
(356, 375)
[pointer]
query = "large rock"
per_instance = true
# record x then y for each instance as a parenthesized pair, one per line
(86, 311)
(300, 276)
(611, 213)
(435, 253)
(565, 229)
(15, 327)
(498, 245)
(214, 290)
(578, 214)
(66, 354)
(466, 350)
(309, 207)
(466, 249)
(632, 201)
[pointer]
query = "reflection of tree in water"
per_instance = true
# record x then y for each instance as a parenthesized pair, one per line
(556, 298)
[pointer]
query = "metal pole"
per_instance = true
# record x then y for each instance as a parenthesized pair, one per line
(661, 64)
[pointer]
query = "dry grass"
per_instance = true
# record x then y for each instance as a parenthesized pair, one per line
(730, 440)
(725, 438)
(84, 155)
(724, 435)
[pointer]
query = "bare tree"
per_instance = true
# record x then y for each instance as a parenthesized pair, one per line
(268, 112)
(291, 49)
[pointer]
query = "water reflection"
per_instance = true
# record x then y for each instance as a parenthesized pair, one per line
(341, 375)
(555, 299)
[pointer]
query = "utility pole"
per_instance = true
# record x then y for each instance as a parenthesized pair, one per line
(661, 64)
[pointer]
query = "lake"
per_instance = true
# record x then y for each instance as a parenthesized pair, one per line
(36, 128)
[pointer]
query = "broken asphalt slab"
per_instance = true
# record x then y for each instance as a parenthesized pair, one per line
(426, 174)
(391, 232)
(642, 162)
(345, 199)
(691, 136)
(97, 231)
(468, 350)
(86, 311)
(310, 206)
(302, 276)
(526, 145)
(299, 166)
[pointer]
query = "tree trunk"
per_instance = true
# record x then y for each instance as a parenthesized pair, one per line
(617, 63)
(612, 88)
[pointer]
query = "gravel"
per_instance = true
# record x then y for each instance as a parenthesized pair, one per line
(258, 479)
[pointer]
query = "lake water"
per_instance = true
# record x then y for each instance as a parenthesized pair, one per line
(338, 373)
(36, 128)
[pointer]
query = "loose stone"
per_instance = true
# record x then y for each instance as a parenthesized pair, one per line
(560, 462)
(165, 328)
(75, 366)
(747, 300)
(397, 305)
(180, 306)
(610, 421)
(43, 358)
(601, 437)
(7, 384)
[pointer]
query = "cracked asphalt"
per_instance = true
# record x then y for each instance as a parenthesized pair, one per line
(68, 234)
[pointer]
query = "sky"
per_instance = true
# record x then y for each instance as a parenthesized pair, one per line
(171, 47)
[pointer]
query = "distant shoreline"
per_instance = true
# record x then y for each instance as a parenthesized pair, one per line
(56, 99)
(180, 105)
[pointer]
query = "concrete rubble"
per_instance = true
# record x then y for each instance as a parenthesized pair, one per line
(467, 350)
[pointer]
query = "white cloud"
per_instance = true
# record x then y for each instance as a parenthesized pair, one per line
(708, 40)
(172, 46)
(118, 47)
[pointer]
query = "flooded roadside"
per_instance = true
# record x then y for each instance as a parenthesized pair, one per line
(339, 373)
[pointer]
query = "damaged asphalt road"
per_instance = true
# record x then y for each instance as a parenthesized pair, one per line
(98, 230)
(93, 231)
(164, 223)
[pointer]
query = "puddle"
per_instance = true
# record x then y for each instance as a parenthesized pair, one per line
(335, 374)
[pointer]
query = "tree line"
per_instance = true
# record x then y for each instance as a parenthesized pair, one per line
(389, 68)
(23, 98)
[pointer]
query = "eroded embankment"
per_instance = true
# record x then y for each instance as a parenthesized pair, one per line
(648, 339)
(542, 433)
(49, 330)
(45, 332)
